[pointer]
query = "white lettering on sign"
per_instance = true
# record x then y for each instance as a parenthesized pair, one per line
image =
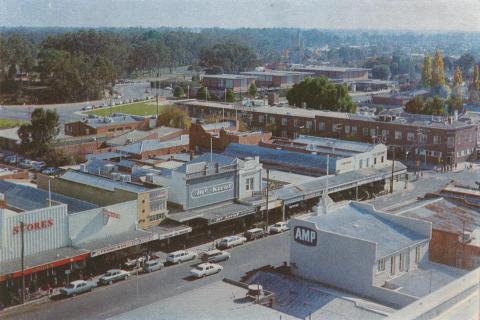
(305, 236)
(206, 191)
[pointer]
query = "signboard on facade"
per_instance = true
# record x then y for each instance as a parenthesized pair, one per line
(210, 190)
(38, 225)
(305, 236)
(123, 245)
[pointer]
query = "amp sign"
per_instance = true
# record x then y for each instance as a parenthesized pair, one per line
(305, 236)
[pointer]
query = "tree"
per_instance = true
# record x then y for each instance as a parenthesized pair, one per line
(427, 71)
(381, 71)
(37, 136)
(229, 96)
(320, 93)
(414, 105)
(252, 90)
(457, 82)
(466, 62)
(203, 94)
(178, 92)
(418, 105)
(230, 56)
(438, 73)
(454, 103)
(175, 117)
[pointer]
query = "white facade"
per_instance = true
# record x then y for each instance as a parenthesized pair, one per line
(45, 229)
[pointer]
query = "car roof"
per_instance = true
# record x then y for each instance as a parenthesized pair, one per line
(204, 264)
(113, 270)
(177, 252)
(77, 281)
(255, 230)
(152, 261)
(212, 251)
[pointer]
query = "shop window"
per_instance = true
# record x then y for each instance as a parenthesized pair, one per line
(417, 254)
(249, 184)
(381, 265)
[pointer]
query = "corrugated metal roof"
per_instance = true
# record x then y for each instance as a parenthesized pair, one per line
(101, 182)
(354, 221)
(28, 198)
(355, 147)
(151, 145)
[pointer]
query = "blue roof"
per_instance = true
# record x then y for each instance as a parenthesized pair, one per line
(354, 221)
(28, 198)
(280, 157)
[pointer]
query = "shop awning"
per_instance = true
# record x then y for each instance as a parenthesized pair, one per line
(215, 214)
(42, 261)
(117, 242)
(165, 231)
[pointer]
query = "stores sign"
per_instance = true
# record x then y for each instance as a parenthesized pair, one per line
(39, 225)
(305, 236)
(202, 192)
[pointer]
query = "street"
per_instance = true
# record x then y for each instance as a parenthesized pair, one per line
(105, 302)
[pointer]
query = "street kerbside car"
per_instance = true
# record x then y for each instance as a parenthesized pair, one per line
(114, 275)
(77, 287)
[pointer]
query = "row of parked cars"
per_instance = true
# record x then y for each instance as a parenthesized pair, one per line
(209, 265)
(28, 164)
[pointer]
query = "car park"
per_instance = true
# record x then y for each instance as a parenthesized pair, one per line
(215, 255)
(77, 287)
(278, 227)
(205, 269)
(114, 275)
(181, 256)
(152, 265)
(254, 233)
(49, 171)
(232, 241)
(38, 165)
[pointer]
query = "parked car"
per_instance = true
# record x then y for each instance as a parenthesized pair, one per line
(49, 171)
(254, 233)
(181, 256)
(152, 265)
(232, 241)
(114, 275)
(10, 159)
(279, 227)
(215, 255)
(25, 163)
(38, 165)
(77, 287)
(205, 269)
(87, 108)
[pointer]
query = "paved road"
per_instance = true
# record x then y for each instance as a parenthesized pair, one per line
(105, 302)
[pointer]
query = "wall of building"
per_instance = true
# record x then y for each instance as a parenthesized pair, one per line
(152, 207)
(45, 229)
(250, 169)
(209, 190)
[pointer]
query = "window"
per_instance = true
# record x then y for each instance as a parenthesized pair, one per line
(381, 265)
(260, 118)
(249, 184)
(392, 265)
(398, 135)
(423, 138)
(309, 124)
(321, 126)
(284, 134)
(155, 217)
(401, 264)
(354, 130)
(450, 142)
(334, 127)
(272, 119)
(365, 132)
(385, 133)
(295, 123)
(373, 132)
(284, 121)
(374, 161)
(347, 129)
(417, 254)
(383, 159)
(410, 136)
(437, 140)
(157, 205)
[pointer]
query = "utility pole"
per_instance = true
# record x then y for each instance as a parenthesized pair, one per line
(22, 231)
(188, 91)
(157, 83)
(211, 148)
(393, 170)
(266, 205)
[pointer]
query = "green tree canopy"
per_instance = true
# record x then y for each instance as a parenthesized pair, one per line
(37, 136)
(427, 71)
(178, 92)
(320, 93)
(175, 117)
(229, 96)
(430, 106)
(203, 94)
(252, 90)
(438, 74)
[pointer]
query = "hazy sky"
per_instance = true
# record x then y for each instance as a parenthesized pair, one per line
(328, 14)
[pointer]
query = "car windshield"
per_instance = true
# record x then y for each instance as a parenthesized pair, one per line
(108, 274)
(70, 286)
(199, 268)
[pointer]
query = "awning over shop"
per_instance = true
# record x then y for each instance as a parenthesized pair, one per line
(117, 242)
(42, 261)
(215, 214)
(165, 231)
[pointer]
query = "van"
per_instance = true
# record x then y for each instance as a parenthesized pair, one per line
(255, 233)
(180, 256)
(152, 265)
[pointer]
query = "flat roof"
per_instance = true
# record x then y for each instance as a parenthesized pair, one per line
(227, 76)
(215, 213)
(277, 73)
(98, 122)
(27, 198)
(109, 243)
(335, 144)
(355, 221)
(101, 182)
(167, 230)
(153, 144)
(329, 68)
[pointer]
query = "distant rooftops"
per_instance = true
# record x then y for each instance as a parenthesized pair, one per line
(363, 222)
(280, 73)
(96, 122)
(153, 144)
(228, 76)
(334, 144)
(329, 68)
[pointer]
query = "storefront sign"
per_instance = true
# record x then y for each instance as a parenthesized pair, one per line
(111, 214)
(123, 245)
(305, 236)
(39, 225)
(202, 192)
(230, 216)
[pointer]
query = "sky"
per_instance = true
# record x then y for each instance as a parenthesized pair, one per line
(419, 15)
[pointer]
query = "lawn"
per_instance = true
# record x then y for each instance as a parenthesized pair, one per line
(10, 123)
(138, 108)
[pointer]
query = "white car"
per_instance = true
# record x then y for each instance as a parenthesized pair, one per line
(232, 241)
(114, 275)
(181, 256)
(205, 269)
(279, 227)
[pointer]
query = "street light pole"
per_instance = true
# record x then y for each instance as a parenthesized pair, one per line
(393, 170)
(266, 205)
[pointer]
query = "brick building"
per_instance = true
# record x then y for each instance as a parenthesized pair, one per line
(110, 126)
(436, 140)
(218, 83)
(200, 137)
(147, 149)
(277, 78)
